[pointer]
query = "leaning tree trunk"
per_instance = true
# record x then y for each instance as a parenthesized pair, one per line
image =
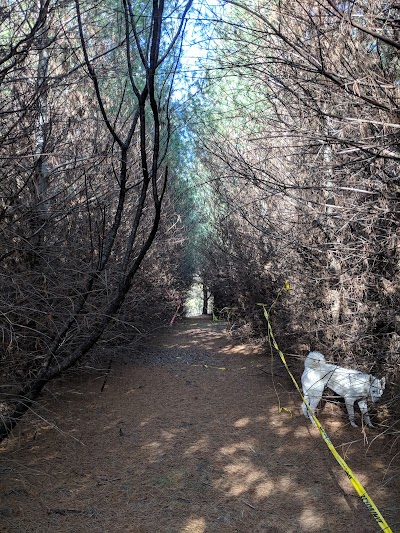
(144, 139)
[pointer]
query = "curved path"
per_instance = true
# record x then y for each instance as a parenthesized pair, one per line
(184, 435)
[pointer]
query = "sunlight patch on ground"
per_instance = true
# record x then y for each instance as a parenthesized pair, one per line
(242, 477)
(335, 425)
(310, 521)
(202, 445)
(281, 421)
(264, 489)
(347, 487)
(242, 422)
(281, 429)
(242, 349)
(379, 465)
(285, 484)
(303, 432)
(152, 446)
(238, 447)
(194, 525)
(172, 434)
(154, 451)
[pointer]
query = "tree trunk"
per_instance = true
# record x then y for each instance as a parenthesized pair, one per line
(205, 299)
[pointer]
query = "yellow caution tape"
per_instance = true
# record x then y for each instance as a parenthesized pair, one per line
(366, 499)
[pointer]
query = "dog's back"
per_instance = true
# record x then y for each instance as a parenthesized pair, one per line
(345, 382)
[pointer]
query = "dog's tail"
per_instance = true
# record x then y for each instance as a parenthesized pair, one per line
(314, 360)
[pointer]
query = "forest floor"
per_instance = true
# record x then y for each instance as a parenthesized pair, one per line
(185, 435)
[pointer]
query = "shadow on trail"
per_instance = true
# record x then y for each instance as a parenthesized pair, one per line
(187, 437)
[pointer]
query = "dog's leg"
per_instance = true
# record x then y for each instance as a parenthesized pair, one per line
(313, 402)
(364, 413)
(304, 407)
(350, 410)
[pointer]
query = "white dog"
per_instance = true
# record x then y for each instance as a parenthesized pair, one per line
(352, 385)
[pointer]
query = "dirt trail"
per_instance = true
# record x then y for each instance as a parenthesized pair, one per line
(186, 437)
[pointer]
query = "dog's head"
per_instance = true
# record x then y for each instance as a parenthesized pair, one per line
(377, 388)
